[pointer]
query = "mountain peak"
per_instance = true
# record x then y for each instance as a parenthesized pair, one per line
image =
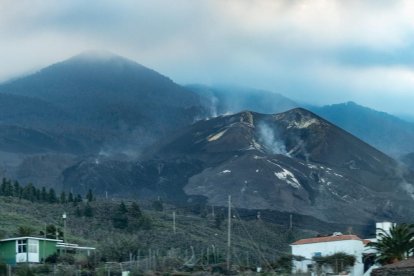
(98, 56)
(300, 115)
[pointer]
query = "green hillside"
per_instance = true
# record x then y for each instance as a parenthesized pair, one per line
(121, 236)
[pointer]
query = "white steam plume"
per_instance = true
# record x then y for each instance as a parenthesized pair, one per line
(268, 137)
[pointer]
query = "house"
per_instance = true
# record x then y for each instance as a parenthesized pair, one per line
(307, 249)
(27, 249)
(36, 250)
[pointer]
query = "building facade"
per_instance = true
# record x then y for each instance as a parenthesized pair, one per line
(27, 249)
(36, 250)
(327, 246)
(308, 249)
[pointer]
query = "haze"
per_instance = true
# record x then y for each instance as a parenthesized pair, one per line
(320, 51)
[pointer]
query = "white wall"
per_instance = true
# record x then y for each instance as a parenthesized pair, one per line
(32, 254)
(33, 248)
(352, 247)
(384, 226)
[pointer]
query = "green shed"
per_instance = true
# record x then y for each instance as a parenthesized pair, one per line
(27, 249)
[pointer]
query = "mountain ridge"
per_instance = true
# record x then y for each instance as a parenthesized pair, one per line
(308, 174)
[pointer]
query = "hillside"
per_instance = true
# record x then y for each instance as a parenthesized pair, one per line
(232, 99)
(382, 130)
(288, 162)
(195, 229)
(93, 103)
(105, 92)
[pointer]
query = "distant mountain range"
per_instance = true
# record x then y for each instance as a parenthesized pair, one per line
(386, 132)
(104, 122)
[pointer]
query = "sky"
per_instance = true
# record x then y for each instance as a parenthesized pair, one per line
(315, 51)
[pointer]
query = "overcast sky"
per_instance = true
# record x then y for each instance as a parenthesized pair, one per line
(318, 51)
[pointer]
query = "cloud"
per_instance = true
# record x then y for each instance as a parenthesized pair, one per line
(319, 51)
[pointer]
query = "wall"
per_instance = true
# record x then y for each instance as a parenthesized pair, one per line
(46, 248)
(8, 252)
(352, 247)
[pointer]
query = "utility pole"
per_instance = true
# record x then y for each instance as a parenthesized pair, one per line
(174, 222)
(290, 222)
(229, 234)
(64, 229)
(212, 211)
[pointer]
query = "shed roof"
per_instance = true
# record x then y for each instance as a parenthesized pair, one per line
(328, 239)
(27, 237)
(74, 246)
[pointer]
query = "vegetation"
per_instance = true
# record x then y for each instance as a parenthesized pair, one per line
(123, 230)
(33, 194)
(395, 245)
(338, 261)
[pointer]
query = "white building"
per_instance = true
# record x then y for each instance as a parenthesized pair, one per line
(337, 243)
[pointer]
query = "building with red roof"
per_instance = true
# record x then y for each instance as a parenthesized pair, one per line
(311, 248)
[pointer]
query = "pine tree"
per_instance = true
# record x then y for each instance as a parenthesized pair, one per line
(16, 189)
(122, 208)
(88, 212)
(119, 218)
(78, 198)
(51, 231)
(51, 197)
(43, 194)
(89, 196)
(70, 197)
(63, 198)
(134, 210)
(3, 187)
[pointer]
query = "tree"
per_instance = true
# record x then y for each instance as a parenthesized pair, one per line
(51, 197)
(338, 261)
(119, 218)
(122, 208)
(63, 198)
(158, 205)
(134, 210)
(136, 219)
(70, 197)
(88, 212)
(16, 189)
(77, 200)
(52, 232)
(25, 230)
(89, 196)
(394, 245)
(43, 194)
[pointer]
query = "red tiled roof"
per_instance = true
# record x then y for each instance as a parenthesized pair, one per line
(328, 239)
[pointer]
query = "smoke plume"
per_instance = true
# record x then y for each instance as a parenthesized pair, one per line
(268, 137)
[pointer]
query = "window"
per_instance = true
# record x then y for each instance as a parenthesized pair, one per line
(33, 246)
(317, 254)
(21, 246)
